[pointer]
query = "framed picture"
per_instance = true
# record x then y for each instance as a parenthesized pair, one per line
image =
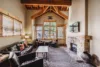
(7, 26)
(17, 27)
(75, 27)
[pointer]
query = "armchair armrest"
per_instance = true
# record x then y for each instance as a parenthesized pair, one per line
(33, 63)
(27, 57)
(18, 53)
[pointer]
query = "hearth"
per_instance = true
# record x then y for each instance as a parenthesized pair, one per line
(73, 47)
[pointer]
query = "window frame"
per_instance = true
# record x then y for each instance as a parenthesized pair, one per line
(57, 25)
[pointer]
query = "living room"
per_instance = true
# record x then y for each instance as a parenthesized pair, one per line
(73, 24)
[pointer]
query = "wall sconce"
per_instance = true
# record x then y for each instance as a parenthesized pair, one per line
(25, 37)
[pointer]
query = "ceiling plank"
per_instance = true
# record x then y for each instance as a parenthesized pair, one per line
(39, 7)
(47, 2)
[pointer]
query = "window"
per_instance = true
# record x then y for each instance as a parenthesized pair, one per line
(60, 32)
(39, 32)
(49, 30)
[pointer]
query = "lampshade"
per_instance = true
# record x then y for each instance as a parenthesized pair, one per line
(26, 36)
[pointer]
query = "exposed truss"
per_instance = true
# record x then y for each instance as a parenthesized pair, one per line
(50, 9)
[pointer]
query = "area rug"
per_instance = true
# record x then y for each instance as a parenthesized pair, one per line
(57, 57)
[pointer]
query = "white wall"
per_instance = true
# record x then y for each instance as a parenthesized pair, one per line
(77, 13)
(29, 14)
(15, 8)
(94, 26)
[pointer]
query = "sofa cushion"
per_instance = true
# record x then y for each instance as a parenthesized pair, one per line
(14, 59)
(34, 61)
(27, 50)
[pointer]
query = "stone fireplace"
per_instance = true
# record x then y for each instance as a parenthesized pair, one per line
(76, 44)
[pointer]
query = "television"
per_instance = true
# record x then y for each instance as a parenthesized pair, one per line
(75, 27)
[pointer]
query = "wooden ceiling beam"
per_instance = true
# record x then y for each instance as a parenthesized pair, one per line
(65, 17)
(45, 9)
(47, 2)
(57, 14)
(37, 14)
(40, 13)
(60, 13)
(56, 9)
(53, 9)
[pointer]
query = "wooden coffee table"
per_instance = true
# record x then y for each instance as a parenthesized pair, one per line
(43, 50)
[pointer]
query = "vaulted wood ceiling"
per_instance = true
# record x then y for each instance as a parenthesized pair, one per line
(48, 5)
(62, 5)
(53, 9)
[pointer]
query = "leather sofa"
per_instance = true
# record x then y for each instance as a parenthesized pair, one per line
(27, 60)
(15, 48)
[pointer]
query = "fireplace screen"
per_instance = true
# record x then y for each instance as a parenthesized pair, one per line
(73, 47)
